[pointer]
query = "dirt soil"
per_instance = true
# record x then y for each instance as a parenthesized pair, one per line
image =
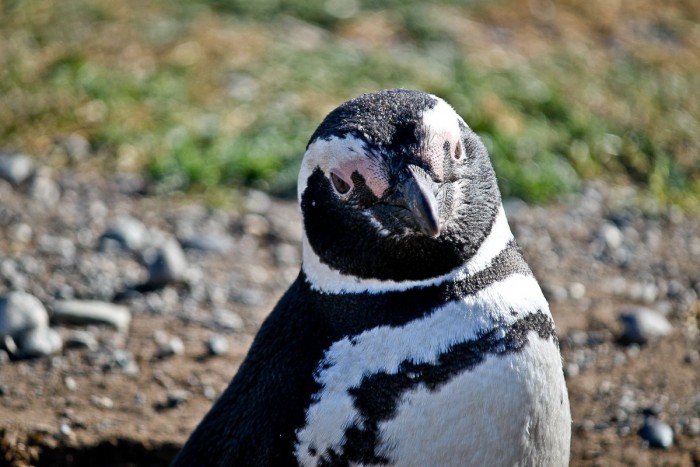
(79, 408)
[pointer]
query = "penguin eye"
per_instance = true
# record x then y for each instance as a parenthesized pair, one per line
(341, 186)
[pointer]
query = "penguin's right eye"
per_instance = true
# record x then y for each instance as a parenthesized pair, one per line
(341, 186)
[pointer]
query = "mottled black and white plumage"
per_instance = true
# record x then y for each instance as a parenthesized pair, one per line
(415, 333)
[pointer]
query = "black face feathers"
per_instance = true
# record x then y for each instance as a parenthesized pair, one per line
(425, 232)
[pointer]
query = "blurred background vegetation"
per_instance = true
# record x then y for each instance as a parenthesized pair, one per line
(203, 95)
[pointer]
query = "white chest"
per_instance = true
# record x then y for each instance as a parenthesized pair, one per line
(406, 396)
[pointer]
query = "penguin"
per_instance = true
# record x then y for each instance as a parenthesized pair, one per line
(415, 333)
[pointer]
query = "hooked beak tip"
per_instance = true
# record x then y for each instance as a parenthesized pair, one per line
(421, 201)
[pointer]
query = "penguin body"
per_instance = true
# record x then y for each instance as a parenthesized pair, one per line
(415, 333)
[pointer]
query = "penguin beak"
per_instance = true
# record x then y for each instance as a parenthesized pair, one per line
(414, 192)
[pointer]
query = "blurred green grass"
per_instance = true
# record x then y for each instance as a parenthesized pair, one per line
(225, 93)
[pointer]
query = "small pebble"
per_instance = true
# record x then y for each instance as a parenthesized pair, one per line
(102, 402)
(619, 359)
(39, 342)
(127, 231)
(611, 235)
(209, 392)
(44, 189)
(168, 345)
(8, 343)
(15, 168)
(211, 242)
(84, 312)
(692, 357)
(70, 383)
(693, 427)
(641, 325)
(657, 433)
(63, 247)
(124, 360)
(177, 397)
(81, 340)
(20, 312)
(228, 320)
(633, 350)
(65, 430)
(75, 145)
(21, 232)
(577, 291)
(571, 370)
(217, 345)
(168, 264)
(256, 225)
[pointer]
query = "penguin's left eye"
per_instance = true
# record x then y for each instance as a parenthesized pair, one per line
(341, 186)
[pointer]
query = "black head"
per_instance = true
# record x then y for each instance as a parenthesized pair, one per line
(395, 186)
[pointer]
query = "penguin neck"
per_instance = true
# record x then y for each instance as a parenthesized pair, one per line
(325, 279)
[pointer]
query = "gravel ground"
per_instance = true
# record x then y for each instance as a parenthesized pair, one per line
(124, 315)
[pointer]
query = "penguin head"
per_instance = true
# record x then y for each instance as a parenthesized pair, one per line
(395, 186)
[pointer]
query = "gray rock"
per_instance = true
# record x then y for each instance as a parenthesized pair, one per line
(693, 426)
(577, 291)
(256, 225)
(44, 189)
(65, 430)
(692, 357)
(4, 358)
(211, 242)
(611, 235)
(177, 397)
(124, 360)
(571, 370)
(15, 168)
(228, 320)
(20, 232)
(55, 245)
(39, 342)
(75, 145)
(217, 345)
(8, 343)
(168, 264)
(81, 340)
(168, 345)
(641, 325)
(657, 433)
(70, 383)
(102, 402)
(20, 312)
(209, 392)
(128, 232)
(84, 312)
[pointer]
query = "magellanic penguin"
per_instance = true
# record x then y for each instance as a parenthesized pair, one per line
(415, 333)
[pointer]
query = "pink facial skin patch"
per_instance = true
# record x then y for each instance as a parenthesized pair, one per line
(371, 170)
